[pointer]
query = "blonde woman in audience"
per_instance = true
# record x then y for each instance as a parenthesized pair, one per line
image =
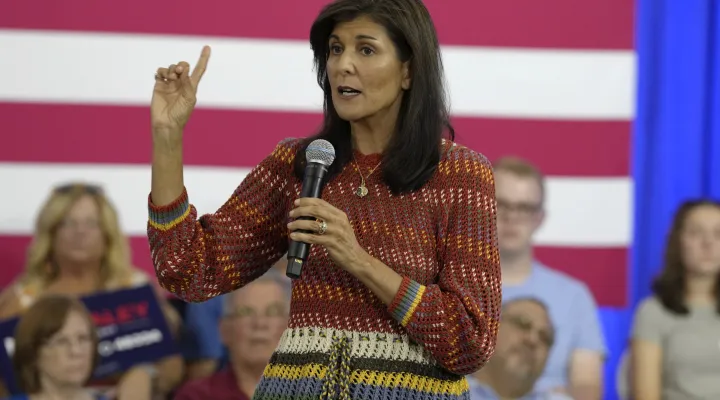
(55, 351)
(78, 249)
(675, 350)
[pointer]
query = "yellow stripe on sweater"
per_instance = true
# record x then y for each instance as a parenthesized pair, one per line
(386, 379)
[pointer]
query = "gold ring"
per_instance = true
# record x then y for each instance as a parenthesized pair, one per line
(322, 226)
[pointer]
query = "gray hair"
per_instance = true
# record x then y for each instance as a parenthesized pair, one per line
(271, 276)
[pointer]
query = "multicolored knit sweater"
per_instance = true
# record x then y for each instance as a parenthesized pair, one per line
(342, 341)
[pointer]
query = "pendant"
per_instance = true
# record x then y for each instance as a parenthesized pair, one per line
(361, 191)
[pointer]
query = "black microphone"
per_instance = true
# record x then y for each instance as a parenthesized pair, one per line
(319, 154)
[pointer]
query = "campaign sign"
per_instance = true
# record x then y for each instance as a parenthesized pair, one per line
(131, 328)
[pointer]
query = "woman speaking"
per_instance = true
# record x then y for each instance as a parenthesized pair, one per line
(400, 295)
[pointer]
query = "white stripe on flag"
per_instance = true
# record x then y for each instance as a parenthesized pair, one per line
(581, 212)
(277, 75)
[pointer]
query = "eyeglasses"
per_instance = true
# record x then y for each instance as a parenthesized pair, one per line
(525, 325)
(522, 209)
(73, 186)
(247, 314)
(66, 343)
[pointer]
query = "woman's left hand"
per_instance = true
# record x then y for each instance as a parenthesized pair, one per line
(338, 239)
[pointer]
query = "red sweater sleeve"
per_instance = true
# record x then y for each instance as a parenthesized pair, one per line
(456, 319)
(200, 258)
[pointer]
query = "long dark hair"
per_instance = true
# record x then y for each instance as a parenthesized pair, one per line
(669, 286)
(414, 149)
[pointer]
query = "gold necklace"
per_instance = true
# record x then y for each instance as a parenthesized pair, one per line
(362, 190)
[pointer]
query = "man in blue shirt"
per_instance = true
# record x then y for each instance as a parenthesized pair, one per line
(576, 360)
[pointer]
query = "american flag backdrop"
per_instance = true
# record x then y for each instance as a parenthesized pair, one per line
(552, 81)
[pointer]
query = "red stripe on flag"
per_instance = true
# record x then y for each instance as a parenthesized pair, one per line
(114, 134)
(568, 148)
(594, 24)
(602, 269)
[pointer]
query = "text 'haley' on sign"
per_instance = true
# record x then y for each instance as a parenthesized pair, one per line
(131, 327)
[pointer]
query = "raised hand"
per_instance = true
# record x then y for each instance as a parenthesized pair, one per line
(174, 97)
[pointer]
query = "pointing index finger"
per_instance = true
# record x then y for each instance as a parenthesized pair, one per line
(201, 66)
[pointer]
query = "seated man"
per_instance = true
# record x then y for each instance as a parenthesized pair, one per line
(253, 321)
(201, 345)
(524, 341)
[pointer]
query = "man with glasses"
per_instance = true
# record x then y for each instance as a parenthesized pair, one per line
(201, 344)
(252, 323)
(575, 363)
(524, 341)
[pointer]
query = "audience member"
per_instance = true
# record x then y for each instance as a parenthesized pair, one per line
(78, 249)
(576, 360)
(253, 321)
(675, 351)
(55, 350)
(202, 346)
(524, 341)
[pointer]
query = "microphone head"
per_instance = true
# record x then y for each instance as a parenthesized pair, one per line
(320, 151)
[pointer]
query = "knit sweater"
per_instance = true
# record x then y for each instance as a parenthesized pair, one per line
(342, 341)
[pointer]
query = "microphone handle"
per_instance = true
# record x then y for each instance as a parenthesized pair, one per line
(312, 186)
